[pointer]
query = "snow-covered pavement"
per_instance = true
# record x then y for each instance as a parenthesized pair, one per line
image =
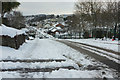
(109, 44)
(38, 59)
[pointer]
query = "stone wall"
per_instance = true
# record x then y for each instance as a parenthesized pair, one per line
(14, 42)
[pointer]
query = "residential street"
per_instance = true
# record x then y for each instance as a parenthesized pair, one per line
(88, 49)
(47, 58)
(59, 39)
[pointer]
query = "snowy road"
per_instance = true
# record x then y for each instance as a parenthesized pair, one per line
(105, 56)
(46, 58)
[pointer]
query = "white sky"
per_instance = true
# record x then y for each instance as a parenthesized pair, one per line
(29, 8)
(65, 0)
(47, 0)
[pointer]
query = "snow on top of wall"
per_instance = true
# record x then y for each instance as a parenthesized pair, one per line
(4, 30)
(25, 29)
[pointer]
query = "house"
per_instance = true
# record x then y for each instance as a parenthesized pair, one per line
(60, 20)
(48, 26)
(60, 25)
(56, 30)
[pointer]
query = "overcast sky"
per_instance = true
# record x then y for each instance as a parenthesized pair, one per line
(30, 7)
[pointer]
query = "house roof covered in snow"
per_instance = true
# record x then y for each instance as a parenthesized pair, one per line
(59, 25)
(4, 30)
(53, 30)
(56, 29)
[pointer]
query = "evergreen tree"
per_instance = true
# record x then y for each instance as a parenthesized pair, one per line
(8, 6)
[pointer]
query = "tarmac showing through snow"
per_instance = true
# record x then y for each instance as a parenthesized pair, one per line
(47, 58)
(102, 48)
(105, 56)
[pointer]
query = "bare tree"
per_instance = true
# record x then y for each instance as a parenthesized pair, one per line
(97, 14)
(89, 13)
(16, 19)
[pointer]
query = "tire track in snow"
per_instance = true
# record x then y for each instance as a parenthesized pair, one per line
(102, 59)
